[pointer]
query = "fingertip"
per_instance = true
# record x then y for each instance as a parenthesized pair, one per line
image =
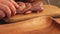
(15, 4)
(27, 12)
(2, 15)
(14, 13)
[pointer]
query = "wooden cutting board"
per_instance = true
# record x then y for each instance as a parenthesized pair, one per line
(49, 10)
(57, 20)
(39, 25)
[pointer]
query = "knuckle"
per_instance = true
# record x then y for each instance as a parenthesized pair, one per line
(2, 14)
(6, 7)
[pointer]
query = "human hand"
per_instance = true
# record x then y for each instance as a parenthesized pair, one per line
(30, 7)
(7, 8)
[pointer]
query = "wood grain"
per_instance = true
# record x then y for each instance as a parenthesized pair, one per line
(34, 26)
(39, 25)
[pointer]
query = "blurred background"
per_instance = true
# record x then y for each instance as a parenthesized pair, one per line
(52, 2)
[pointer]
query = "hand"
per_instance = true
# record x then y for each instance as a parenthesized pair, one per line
(30, 7)
(7, 8)
(34, 7)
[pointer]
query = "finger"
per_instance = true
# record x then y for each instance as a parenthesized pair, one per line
(27, 12)
(2, 15)
(5, 9)
(22, 6)
(41, 4)
(11, 6)
(38, 5)
(15, 4)
(28, 7)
